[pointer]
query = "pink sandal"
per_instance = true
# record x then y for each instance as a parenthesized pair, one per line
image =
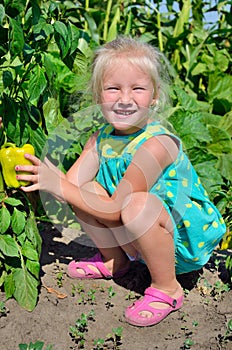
(97, 262)
(151, 294)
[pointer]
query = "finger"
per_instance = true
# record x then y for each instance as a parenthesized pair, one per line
(33, 159)
(29, 178)
(30, 188)
(27, 168)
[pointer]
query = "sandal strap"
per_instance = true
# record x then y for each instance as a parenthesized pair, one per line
(96, 261)
(161, 297)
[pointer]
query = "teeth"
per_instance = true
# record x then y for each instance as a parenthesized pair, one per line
(124, 112)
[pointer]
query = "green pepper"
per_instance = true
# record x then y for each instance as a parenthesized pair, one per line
(10, 156)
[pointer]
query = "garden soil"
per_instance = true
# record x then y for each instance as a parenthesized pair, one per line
(201, 324)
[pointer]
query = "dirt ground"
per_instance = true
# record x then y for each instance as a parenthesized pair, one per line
(201, 324)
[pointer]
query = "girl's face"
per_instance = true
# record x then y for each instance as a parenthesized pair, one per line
(127, 94)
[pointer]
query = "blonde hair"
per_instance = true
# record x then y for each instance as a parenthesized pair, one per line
(146, 57)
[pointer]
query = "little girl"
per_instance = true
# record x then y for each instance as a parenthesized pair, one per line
(133, 189)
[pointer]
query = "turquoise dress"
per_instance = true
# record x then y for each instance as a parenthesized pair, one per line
(198, 225)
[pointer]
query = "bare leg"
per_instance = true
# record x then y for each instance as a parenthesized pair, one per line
(149, 223)
(103, 235)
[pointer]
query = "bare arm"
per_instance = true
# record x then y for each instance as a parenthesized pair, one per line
(148, 163)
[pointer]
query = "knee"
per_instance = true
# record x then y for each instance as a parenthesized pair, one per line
(133, 206)
(141, 211)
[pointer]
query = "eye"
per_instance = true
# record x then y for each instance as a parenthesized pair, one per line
(139, 88)
(111, 88)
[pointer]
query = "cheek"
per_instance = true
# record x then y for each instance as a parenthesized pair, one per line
(108, 97)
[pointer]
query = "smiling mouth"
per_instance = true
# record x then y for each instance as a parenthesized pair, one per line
(124, 113)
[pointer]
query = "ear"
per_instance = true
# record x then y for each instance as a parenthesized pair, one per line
(153, 102)
(155, 97)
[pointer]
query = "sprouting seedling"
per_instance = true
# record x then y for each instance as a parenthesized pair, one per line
(79, 288)
(228, 330)
(131, 295)
(91, 296)
(111, 294)
(3, 310)
(36, 346)
(115, 337)
(188, 343)
(77, 332)
(59, 279)
(99, 344)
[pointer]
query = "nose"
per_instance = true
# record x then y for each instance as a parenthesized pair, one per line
(125, 97)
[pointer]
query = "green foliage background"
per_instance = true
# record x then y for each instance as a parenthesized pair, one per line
(45, 55)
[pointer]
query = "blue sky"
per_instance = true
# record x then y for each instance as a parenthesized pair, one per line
(210, 17)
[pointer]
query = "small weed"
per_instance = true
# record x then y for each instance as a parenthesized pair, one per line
(77, 332)
(130, 296)
(218, 288)
(39, 345)
(84, 297)
(91, 296)
(79, 288)
(115, 337)
(228, 334)
(111, 341)
(111, 294)
(3, 311)
(195, 323)
(228, 265)
(187, 344)
(59, 279)
(99, 344)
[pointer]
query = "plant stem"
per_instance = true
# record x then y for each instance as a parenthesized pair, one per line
(86, 10)
(108, 9)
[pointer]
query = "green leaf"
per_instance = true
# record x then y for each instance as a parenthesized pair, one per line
(18, 221)
(2, 13)
(37, 83)
(28, 250)
(8, 246)
(3, 274)
(220, 141)
(38, 140)
(7, 79)
(16, 38)
(36, 346)
(62, 36)
(33, 267)
(26, 291)
(183, 18)
(209, 175)
(52, 114)
(219, 86)
(9, 285)
(225, 166)
(226, 122)
(14, 202)
(75, 34)
(113, 30)
(5, 218)
(185, 100)
(32, 232)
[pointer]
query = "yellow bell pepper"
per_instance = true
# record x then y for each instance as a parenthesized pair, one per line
(10, 156)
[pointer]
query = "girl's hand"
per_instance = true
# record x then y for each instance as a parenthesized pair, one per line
(44, 176)
(1, 122)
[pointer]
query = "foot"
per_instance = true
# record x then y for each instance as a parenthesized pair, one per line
(94, 268)
(173, 293)
(153, 307)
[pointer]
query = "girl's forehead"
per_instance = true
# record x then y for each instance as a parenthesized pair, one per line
(123, 65)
